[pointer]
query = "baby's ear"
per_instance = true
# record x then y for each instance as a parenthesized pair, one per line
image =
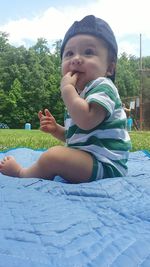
(111, 69)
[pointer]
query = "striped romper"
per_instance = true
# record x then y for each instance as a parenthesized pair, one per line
(109, 142)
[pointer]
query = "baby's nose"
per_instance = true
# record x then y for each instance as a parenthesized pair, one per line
(77, 60)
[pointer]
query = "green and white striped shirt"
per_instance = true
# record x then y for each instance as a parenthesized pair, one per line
(109, 141)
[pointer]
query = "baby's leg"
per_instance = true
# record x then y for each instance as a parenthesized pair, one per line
(71, 164)
(10, 167)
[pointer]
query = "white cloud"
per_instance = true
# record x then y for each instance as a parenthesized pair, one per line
(129, 48)
(125, 17)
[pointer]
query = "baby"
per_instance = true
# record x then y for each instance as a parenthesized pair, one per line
(96, 140)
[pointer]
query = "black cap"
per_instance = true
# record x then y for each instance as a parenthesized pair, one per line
(93, 26)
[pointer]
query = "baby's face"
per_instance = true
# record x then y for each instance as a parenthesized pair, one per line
(86, 55)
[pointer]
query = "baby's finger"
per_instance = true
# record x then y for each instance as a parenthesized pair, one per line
(40, 114)
(47, 113)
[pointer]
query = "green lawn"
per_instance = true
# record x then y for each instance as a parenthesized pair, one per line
(26, 138)
(37, 140)
(140, 140)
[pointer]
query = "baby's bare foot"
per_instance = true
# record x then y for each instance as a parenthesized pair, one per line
(9, 166)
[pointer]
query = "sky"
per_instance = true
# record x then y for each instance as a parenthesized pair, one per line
(27, 20)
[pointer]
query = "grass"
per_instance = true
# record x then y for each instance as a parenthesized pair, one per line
(140, 140)
(35, 139)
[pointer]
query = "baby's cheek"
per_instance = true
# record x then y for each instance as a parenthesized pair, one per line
(64, 69)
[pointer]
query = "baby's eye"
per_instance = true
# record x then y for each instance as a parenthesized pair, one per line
(68, 53)
(89, 51)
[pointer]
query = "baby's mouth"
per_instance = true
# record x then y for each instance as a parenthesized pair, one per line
(74, 72)
(77, 72)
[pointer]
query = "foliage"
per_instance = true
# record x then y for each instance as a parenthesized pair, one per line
(128, 80)
(30, 81)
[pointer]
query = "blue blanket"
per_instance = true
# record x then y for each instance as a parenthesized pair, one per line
(55, 224)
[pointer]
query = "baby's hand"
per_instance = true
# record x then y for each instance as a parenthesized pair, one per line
(70, 79)
(47, 122)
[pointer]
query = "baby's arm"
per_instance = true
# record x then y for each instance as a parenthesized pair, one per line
(85, 115)
(48, 124)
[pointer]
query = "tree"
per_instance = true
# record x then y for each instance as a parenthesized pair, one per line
(3, 42)
(127, 78)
